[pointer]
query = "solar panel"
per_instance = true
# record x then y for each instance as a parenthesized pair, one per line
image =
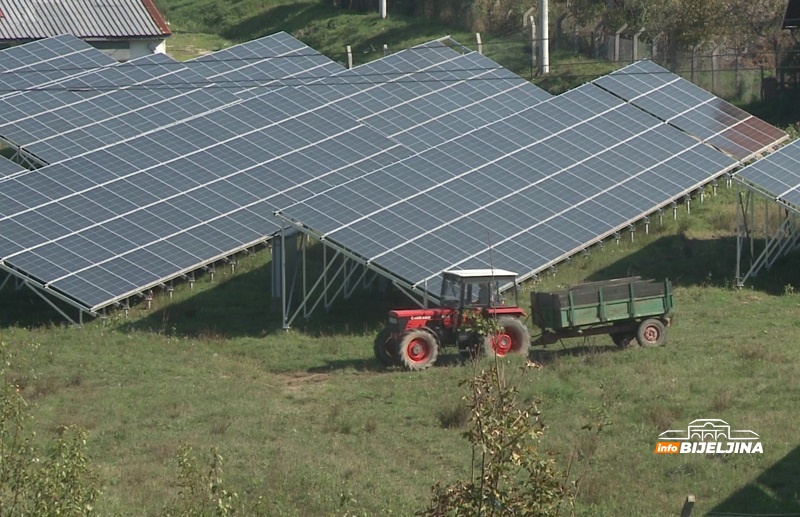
(124, 101)
(777, 175)
(592, 165)
(430, 94)
(7, 167)
(42, 62)
(692, 109)
(275, 60)
(106, 225)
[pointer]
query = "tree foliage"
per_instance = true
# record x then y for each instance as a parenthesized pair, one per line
(510, 475)
(34, 482)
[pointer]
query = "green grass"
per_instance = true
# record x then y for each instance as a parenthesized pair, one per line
(310, 421)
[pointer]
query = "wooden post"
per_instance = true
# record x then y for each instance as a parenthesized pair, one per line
(349, 57)
(688, 505)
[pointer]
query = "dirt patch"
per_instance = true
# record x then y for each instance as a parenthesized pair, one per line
(299, 380)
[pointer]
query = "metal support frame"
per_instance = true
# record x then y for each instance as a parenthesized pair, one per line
(342, 272)
(58, 309)
(782, 241)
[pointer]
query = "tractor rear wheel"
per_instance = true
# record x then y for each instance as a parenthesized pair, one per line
(651, 333)
(418, 350)
(385, 348)
(512, 338)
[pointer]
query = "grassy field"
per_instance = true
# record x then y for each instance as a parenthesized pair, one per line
(309, 421)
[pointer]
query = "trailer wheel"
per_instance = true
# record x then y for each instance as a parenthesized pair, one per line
(513, 338)
(651, 333)
(418, 350)
(623, 339)
(385, 348)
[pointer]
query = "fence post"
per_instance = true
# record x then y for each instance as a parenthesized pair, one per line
(544, 46)
(575, 39)
(534, 46)
(715, 69)
(480, 42)
(688, 505)
(694, 57)
(617, 36)
(385, 50)
(349, 57)
(597, 34)
(636, 44)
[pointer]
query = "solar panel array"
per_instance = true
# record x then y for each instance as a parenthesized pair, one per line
(430, 94)
(104, 226)
(777, 175)
(692, 109)
(414, 162)
(276, 60)
(121, 102)
(42, 62)
(520, 194)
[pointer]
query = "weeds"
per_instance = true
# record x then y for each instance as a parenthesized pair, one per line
(453, 415)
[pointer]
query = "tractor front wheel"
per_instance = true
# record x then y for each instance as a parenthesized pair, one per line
(418, 350)
(385, 348)
(513, 337)
(651, 332)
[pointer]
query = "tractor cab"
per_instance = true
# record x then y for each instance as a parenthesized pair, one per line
(478, 289)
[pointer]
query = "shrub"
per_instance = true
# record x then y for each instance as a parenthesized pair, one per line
(59, 482)
(510, 474)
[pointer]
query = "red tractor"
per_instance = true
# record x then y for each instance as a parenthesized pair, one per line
(412, 338)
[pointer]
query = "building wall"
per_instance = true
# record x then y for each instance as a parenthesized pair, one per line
(125, 50)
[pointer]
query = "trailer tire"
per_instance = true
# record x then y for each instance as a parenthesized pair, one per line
(385, 348)
(418, 349)
(651, 332)
(514, 338)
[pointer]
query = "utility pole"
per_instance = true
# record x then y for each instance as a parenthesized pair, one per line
(544, 43)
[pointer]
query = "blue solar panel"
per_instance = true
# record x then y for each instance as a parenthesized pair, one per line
(563, 190)
(777, 175)
(186, 195)
(692, 109)
(42, 62)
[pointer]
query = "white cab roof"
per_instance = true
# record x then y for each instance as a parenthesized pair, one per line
(476, 273)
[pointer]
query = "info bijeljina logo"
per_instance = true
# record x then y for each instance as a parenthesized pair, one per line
(709, 436)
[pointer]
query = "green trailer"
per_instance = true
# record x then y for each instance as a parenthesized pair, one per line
(628, 309)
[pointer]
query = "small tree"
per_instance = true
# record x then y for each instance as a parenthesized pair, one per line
(510, 474)
(56, 483)
(202, 490)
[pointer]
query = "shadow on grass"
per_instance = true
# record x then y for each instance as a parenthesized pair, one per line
(372, 365)
(241, 306)
(700, 262)
(552, 353)
(774, 492)
(290, 18)
(22, 308)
